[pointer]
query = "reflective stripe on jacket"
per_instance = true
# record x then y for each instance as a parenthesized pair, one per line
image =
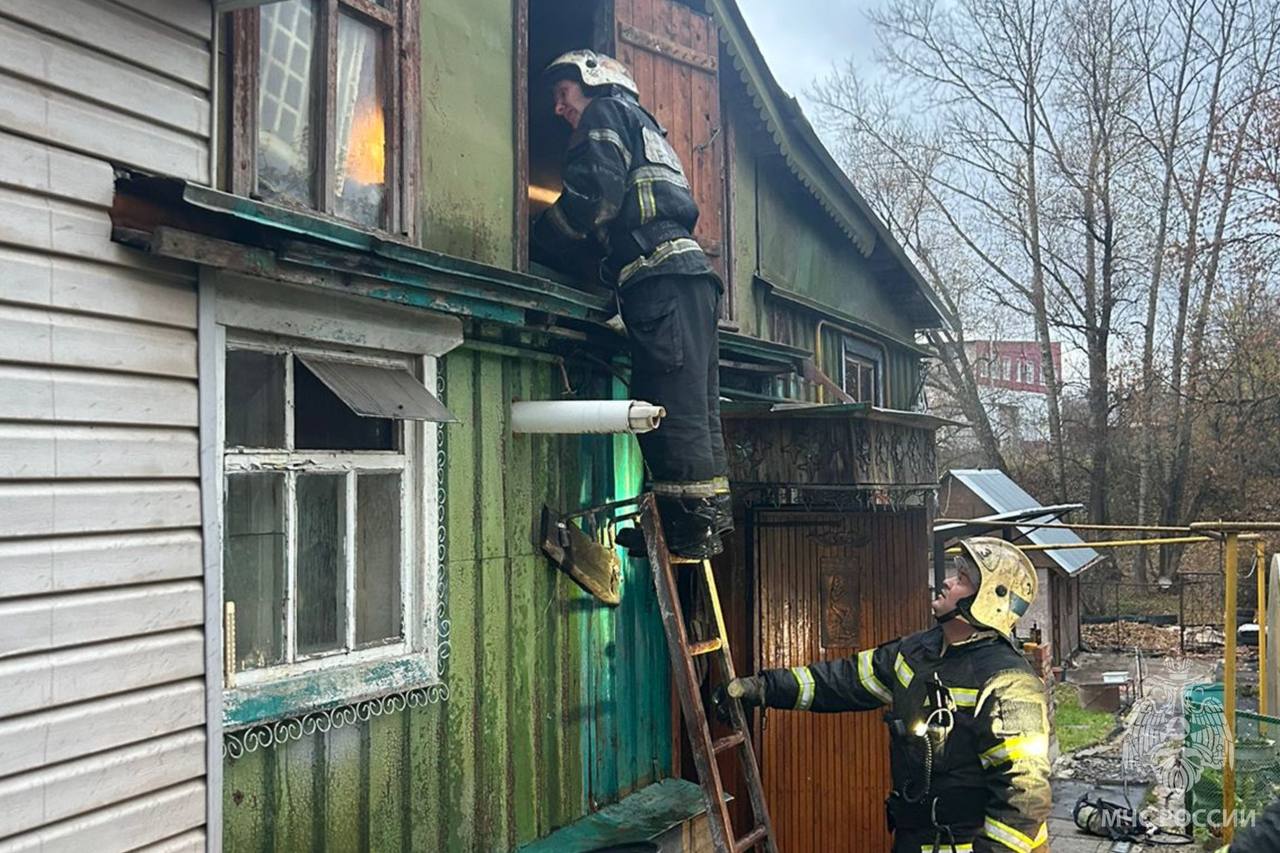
(625, 198)
(997, 747)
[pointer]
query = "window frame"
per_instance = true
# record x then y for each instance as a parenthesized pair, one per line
(866, 356)
(398, 21)
(288, 690)
(290, 461)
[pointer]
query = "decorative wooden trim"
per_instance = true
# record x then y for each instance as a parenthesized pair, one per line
(325, 107)
(665, 47)
(209, 355)
(520, 73)
(242, 132)
(728, 141)
(382, 14)
(409, 163)
(267, 735)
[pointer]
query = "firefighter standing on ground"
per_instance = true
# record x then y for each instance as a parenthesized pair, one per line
(967, 720)
(626, 200)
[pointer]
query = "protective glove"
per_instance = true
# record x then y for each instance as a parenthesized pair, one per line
(749, 691)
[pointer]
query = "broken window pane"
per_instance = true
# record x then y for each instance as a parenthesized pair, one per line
(377, 558)
(254, 399)
(321, 569)
(254, 566)
(361, 170)
(285, 146)
(321, 421)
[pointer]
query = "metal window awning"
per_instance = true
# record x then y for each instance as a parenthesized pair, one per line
(379, 392)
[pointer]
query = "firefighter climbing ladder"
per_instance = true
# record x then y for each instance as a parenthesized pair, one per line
(705, 750)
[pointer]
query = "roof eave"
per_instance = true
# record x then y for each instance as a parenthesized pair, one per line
(812, 164)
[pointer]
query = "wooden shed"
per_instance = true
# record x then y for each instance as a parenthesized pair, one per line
(991, 495)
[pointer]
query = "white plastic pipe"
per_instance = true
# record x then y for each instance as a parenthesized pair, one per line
(585, 416)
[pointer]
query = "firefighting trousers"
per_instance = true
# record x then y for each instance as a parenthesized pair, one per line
(675, 354)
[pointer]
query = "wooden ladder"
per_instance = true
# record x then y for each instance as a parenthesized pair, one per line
(682, 651)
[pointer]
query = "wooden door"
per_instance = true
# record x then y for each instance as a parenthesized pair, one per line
(830, 584)
(673, 52)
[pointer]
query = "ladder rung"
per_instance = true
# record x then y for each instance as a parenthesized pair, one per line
(728, 742)
(706, 647)
(751, 839)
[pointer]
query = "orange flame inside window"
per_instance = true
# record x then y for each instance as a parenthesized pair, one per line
(367, 151)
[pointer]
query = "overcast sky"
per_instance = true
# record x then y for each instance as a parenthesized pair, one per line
(801, 39)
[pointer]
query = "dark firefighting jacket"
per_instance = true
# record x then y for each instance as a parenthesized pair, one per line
(988, 779)
(625, 198)
(1261, 837)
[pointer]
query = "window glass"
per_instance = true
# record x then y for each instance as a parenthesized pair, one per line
(378, 527)
(323, 422)
(868, 384)
(286, 42)
(360, 170)
(321, 566)
(255, 399)
(254, 566)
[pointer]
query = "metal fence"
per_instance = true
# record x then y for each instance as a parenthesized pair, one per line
(1185, 615)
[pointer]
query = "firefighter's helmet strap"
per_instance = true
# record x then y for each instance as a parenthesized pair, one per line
(947, 617)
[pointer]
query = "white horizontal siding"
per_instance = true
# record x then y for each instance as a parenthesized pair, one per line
(96, 397)
(75, 787)
(58, 64)
(32, 109)
(115, 31)
(32, 165)
(37, 336)
(71, 563)
(42, 681)
(54, 226)
(163, 297)
(188, 842)
(47, 737)
(130, 825)
(57, 621)
(187, 16)
(48, 509)
(102, 652)
(31, 451)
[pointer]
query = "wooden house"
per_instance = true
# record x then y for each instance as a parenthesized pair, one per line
(269, 563)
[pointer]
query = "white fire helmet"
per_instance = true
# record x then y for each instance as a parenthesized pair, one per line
(593, 69)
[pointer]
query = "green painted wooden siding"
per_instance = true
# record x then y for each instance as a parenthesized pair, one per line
(781, 234)
(556, 703)
(802, 250)
(468, 129)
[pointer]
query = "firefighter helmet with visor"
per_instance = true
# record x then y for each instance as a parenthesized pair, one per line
(1006, 582)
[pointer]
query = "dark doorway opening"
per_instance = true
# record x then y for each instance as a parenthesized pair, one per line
(555, 26)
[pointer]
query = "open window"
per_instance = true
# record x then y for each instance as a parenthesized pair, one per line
(321, 471)
(862, 371)
(323, 108)
(672, 51)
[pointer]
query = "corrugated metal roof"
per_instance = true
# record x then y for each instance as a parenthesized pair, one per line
(1002, 494)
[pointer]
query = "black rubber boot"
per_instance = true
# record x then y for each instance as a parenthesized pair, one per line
(689, 525)
(632, 538)
(723, 520)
